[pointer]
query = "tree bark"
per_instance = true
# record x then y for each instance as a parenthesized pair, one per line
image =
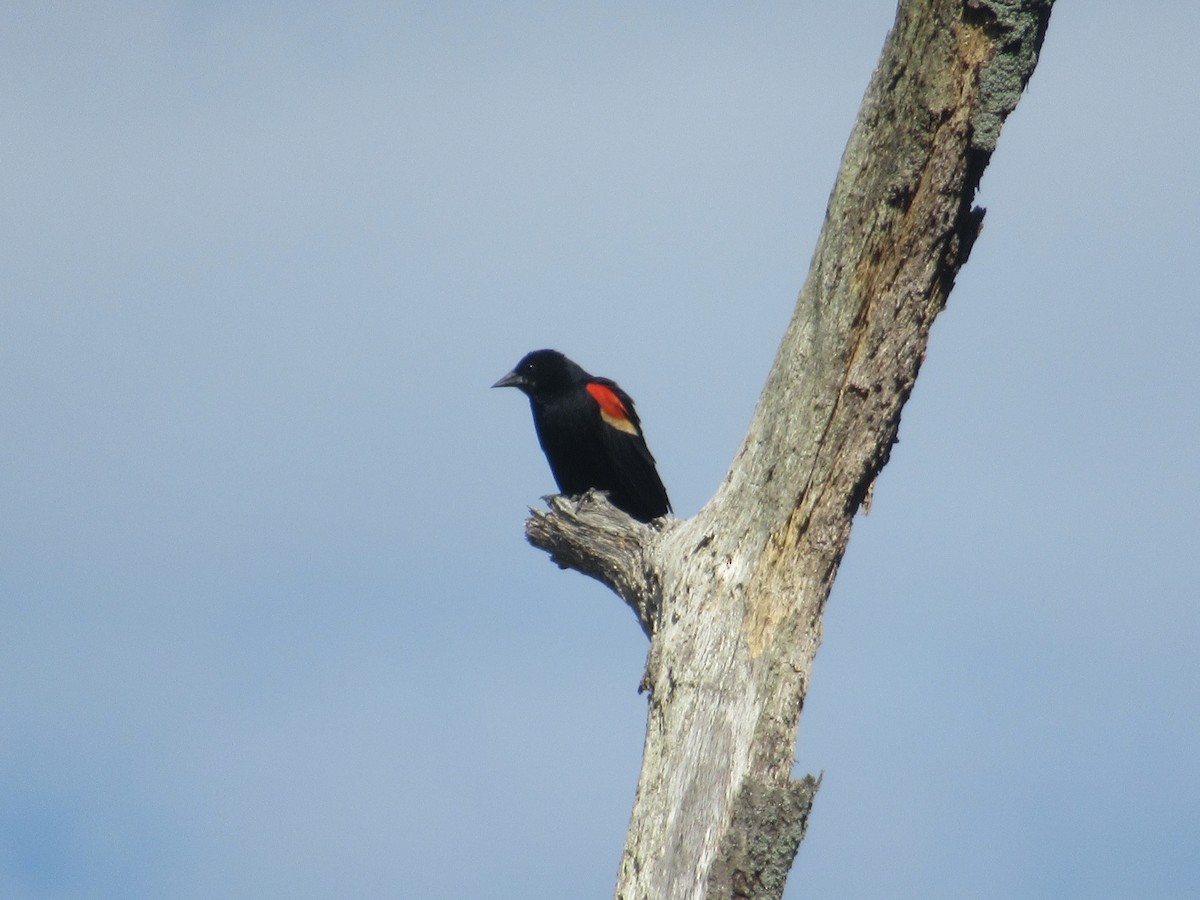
(732, 599)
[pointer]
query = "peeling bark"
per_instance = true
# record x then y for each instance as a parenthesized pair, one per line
(732, 599)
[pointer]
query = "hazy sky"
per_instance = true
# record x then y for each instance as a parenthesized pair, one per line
(269, 625)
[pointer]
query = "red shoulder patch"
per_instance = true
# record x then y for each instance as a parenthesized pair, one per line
(612, 410)
(609, 402)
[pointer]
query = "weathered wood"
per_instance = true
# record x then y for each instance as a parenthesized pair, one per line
(591, 535)
(732, 599)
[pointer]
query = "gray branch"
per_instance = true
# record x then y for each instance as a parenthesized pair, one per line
(592, 536)
(732, 599)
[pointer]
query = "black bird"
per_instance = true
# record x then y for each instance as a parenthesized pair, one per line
(590, 433)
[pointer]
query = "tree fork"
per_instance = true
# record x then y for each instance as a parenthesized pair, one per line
(732, 599)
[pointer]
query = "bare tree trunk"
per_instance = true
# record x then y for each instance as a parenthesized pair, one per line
(732, 599)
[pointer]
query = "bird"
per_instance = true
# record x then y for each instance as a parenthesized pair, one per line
(590, 433)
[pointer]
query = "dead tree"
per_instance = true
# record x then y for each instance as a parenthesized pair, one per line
(732, 599)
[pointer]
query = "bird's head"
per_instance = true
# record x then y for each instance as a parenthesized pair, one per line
(543, 373)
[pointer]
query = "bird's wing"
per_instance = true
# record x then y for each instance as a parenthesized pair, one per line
(635, 470)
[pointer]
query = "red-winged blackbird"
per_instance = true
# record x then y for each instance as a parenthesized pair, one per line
(590, 433)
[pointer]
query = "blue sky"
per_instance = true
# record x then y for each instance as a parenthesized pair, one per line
(270, 627)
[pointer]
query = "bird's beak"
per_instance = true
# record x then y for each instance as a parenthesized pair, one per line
(512, 379)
